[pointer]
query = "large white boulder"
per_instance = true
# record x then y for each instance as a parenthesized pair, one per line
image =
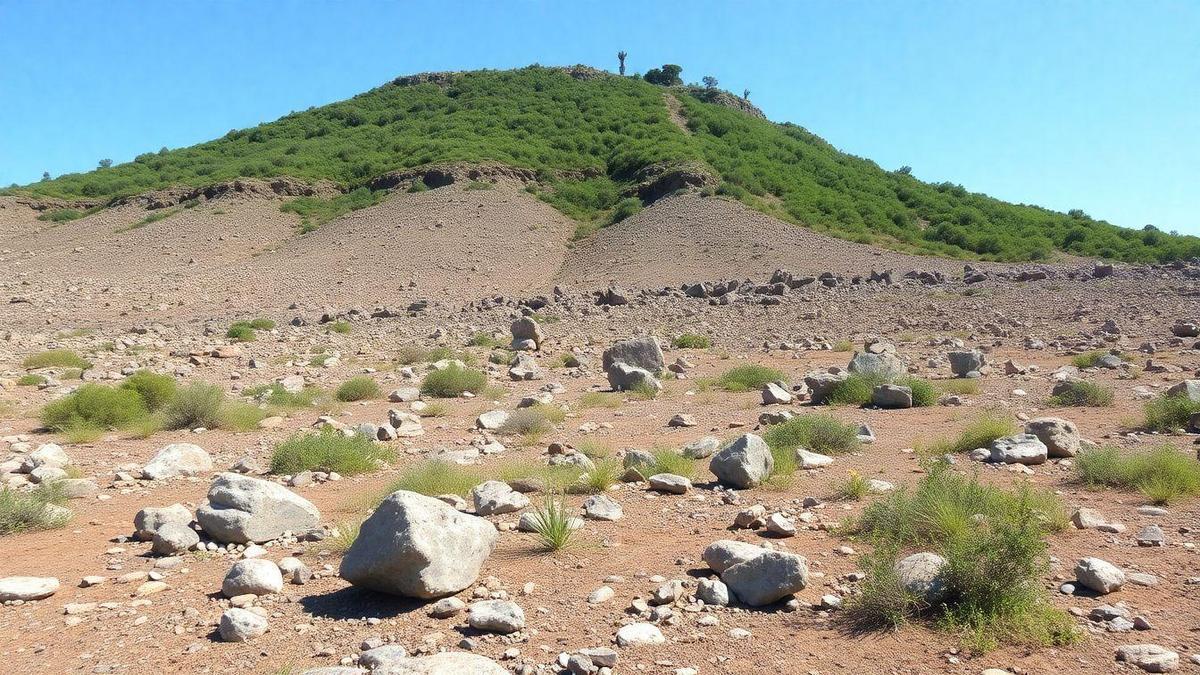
(242, 509)
(178, 459)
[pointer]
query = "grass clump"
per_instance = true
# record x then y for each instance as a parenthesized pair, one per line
(484, 340)
(196, 405)
(340, 327)
(599, 399)
(1168, 413)
(55, 358)
(853, 488)
(536, 419)
(329, 451)
(241, 331)
(61, 215)
(667, 460)
(692, 341)
(1082, 394)
(452, 381)
(843, 346)
(315, 211)
(992, 540)
(958, 386)
(275, 395)
(747, 378)
(434, 477)
(1089, 359)
(924, 394)
(978, 434)
(31, 380)
(156, 390)
(854, 390)
(553, 524)
(22, 511)
(343, 536)
(434, 409)
(92, 408)
(599, 479)
(818, 433)
(360, 388)
(1163, 474)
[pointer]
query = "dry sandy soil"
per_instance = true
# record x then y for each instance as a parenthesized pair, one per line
(162, 295)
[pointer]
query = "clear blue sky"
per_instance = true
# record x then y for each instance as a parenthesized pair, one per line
(1069, 104)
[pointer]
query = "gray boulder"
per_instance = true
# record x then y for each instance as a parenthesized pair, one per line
(921, 575)
(625, 377)
(744, 463)
(242, 509)
(495, 497)
(642, 352)
(966, 363)
(767, 578)
(892, 396)
(419, 547)
(820, 384)
(174, 538)
(725, 553)
(1060, 436)
(1018, 449)
(443, 663)
(774, 392)
(496, 616)
(886, 364)
(27, 588)
(239, 625)
(526, 331)
(148, 520)
(256, 576)
(702, 447)
(1099, 575)
(1187, 388)
(178, 459)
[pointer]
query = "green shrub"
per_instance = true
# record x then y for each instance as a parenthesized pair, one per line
(241, 332)
(747, 378)
(856, 389)
(22, 511)
(435, 409)
(484, 340)
(478, 185)
(156, 390)
(853, 488)
(262, 324)
(553, 524)
(959, 386)
(625, 208)
(843, 346)
(360, 388)
(667, 460)
(599, 399)
(1089, 359)
(340, 327)
(61, 215)
(315, 211)
(593, 448)
(94, 407)
(992, 540)
(452, 381)
(1168, 413)
(329, 451)
(433, 478)
(56, 358)
(1082, 394)
(31, 380)
(1163, 474)
(193, 406)
(924, 394)
(818, 433)
(239, 416)
(343, 536)
(274, 394)
(604, 475)
(692, 341)
(535, 419)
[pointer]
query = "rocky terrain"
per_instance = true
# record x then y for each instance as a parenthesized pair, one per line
(614, 492)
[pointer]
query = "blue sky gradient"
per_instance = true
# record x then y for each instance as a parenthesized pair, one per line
(1067, 104)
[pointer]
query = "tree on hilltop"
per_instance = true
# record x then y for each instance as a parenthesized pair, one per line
(667, 76)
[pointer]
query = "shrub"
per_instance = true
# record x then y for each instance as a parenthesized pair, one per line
(692, 341)
(55, 358)
(241, 332)
(156, 390)
(1168, 413)
(747, 378)
(1089, 359)
(599, 479)
(484, 340)
(1163, 474)
(196, 405)
(553, 524)
(823, 434)
(22, 511)
(854, 487)
(358, 388)
(1082, 394)
(238, 416)
(329, 451)
(478, 185)
(924, 394)
(625, 208)
(992, 540)
(535, 419)
(593, 448)
(435, 409)
(843, 346)
(433, 478)
(61, 215)
(340, 327)
(343, 536)
(554, 478)
(275, 395)
(31, 380)
(856, 389)
(452, 381)
(94, 407)
(262, 324)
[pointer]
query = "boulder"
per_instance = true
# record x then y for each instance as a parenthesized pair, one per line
(642, 352)
(702, 447)
(767, 578)
(812, 460)
(624, 377)
(443, 663)
(600, 507)
(496, 616)
(966, 363)
(1018, 449)
(1149, 657)
(1060, 436)
(774, 392)
(178, 459)
(820, 384)
(526, 331)
(886, 365)
(174, 538)
(242, 509)
(1187, 388)
(725, 553)
(634, 634)
(148, 520)
(892, 396)
(1099, 575)
(744, 463)
(495, 497)
(669, 483)
(921, 575)
(419, 547)
(239, 625)
(47, 455)
(27, 588)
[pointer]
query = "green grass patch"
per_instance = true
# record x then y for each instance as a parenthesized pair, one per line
(993, 542)
(55, 358)
(241, 331)
(31, 380)
(958, 386)
(156, 390)
(434, 478)
(692, 341)
(1163, 474)
(599, 399)
(93, 408)
(1089, 359)
(360, 388)
(536, 419)
(329, 451)
(478, 185)
(452, 381)
(484, 340)
(275, 395)
(61, 215)
(853, 488)
(552, 523)
(978, 434)
(26, 511)
(1082, 394)
(818, 433)
(340, 327)
(843, 346)
(746, 378)
(667, 460)
(1168, 413)
(315, 211)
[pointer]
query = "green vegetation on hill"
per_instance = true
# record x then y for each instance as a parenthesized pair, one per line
(587, 138)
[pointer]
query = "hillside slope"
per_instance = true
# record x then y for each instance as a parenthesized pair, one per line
(592, 136)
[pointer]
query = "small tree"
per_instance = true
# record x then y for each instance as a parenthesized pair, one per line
(709, 81)
(667, 76)
(621, 57)
(905, 170)
(746, 94)
(45, 175)
(105, 163)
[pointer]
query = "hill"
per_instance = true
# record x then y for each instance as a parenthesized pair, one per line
(602, 146)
